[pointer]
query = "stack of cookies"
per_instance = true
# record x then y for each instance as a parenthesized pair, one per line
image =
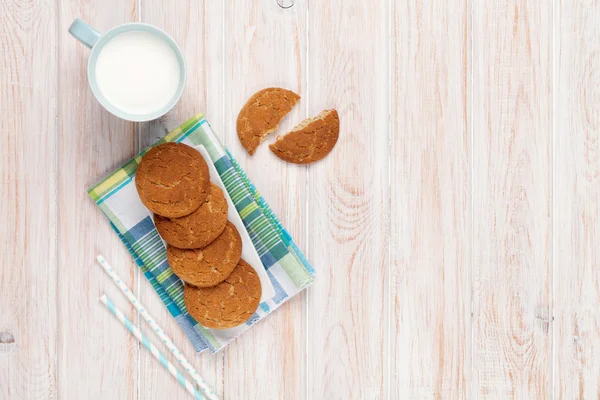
(204, 249)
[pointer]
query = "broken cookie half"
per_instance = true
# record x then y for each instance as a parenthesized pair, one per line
(309, 141)
(261, 115)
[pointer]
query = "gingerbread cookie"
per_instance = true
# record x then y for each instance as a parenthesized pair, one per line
(211, 265)
(261, 115)
(200, 228)
(172, 180)
(228, 304)
(310, 141)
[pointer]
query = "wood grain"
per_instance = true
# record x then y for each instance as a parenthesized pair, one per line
(97, 357)
(454, 228)
(28, 198)
(430, 203)
(197, 28)
(577, 201)
(265, 46)
(512, 175)
(347, 310)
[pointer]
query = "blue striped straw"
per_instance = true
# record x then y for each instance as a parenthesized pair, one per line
(208, 392)
(153, 350)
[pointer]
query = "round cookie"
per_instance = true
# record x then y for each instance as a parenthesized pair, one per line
(172, 180)
(200, 228)
(211, 265)
(228, 304)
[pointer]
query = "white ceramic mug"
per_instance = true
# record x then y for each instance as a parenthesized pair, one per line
(159, 82)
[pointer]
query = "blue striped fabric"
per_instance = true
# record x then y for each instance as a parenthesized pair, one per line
(286, 266)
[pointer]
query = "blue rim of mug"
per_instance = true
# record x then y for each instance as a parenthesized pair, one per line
(134, 27)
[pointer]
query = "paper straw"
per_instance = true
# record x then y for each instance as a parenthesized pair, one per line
(157, 329)
(155, 352)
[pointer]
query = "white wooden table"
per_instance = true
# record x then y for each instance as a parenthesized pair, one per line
(455, 228)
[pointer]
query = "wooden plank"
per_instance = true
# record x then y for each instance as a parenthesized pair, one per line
(347, 310)
(577, 201)
(265, 46)
(430, 202)
(98, 357)
(512, 172)
(197, 28)
(28, 88)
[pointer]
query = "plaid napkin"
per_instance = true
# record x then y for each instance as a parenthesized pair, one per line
(286, 266)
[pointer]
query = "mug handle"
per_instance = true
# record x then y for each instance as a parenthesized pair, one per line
(84, 33)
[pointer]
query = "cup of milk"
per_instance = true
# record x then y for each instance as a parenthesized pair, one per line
(135, 70)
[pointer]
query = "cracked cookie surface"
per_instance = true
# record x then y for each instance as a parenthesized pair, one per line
(310, 141)
(211, 265)
(172, 180)
(228, 304)
(200, 228)
(261, 115)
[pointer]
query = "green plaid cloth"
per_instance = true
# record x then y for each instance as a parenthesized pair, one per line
(286, 266)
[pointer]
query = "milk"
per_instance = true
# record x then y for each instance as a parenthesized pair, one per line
(138, 72)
